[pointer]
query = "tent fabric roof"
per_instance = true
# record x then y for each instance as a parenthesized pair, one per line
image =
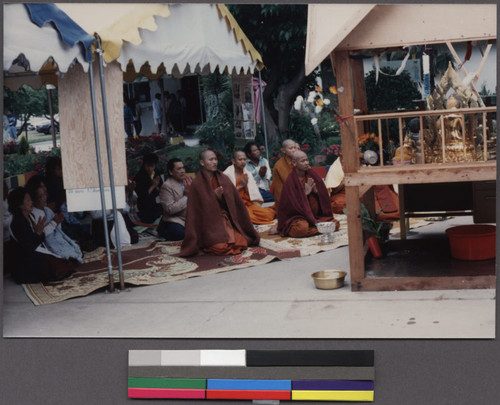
(70, 32)
(327, 26)
(186, 35)
(116, 23)
(393, 25)
(200, 46)
(195, 38)
(38, 44)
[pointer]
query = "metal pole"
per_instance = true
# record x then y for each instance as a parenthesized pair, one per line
(101, 186)
(110, 164)
(263, 115)
(51, 112)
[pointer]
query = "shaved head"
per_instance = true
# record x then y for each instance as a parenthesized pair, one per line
(298, 155)
(204, 152)
(287, 142)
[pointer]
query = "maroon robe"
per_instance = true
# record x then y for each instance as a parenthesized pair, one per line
(205, 225)
(294, 204)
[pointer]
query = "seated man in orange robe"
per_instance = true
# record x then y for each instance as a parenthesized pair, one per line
(248, 190)
(334, 182)
(217, 220)
(282, 168)
(304, 201)
(386, 199)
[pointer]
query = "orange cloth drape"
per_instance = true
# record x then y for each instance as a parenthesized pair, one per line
(281, 170)
(258, 215)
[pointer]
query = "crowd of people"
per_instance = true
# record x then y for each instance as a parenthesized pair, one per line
(215, 213)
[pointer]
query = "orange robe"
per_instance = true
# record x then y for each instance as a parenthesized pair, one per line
(281, 170)
(338, 202)
(236, 242)
(258, 214)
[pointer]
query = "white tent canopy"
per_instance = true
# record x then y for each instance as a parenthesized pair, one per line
(200, 46)
(195, 37)
(37, 44)
(359, 26)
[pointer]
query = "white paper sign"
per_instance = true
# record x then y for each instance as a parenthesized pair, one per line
(89, 199)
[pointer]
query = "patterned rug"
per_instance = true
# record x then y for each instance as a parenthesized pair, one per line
(154, 263)
(303, 246)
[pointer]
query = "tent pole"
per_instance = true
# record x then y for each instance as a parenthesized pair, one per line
(263, 115)
(101, 186)
(51, 112)
(110, 164)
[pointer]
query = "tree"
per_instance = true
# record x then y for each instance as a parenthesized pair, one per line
(27, 102)
(278, 32)
(391, 92)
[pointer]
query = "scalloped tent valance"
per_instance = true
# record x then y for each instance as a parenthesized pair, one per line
(146, 39)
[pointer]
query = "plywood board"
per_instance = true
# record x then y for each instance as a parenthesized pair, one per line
(77, 132)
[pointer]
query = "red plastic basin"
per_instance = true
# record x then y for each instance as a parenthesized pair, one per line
(472, 242)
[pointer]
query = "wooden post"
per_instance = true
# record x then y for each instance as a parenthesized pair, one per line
(421, 138)
(380, 140)
(342, 70)
(485, 141)
(359, 91)
(402, 216)
(443, 139)
(401, 140)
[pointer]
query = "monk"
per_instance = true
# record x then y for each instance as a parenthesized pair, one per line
(248, 190)
(386, 199)
(217, 220)
(304, 201)
(283, 168)
(334, 182)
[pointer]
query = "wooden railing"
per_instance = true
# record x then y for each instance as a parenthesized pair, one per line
(462, 112)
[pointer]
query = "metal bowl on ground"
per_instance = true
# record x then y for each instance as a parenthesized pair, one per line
(327, 229)
(329, 279)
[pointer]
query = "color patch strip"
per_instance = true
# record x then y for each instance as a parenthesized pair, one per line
(332, 395)
(223, 358)
(332, 385)
(181, 357)
(253, 394)
(347, 358)
(231, 384)
(174, 383)
(291, 373)
(165, 393)
(144, 357)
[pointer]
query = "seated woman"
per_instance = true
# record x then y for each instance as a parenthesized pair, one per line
(56, 240)
(33, 262)
(147, 187)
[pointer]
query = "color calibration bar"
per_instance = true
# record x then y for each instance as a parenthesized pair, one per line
(313, 375)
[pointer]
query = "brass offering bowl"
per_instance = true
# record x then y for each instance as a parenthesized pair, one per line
(329, 279)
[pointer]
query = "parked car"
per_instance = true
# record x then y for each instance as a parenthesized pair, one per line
(45, 128)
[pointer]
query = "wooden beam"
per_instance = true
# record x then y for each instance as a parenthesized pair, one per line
(402, 212)
(359, 90)
(483, 61)
(464, 71)
(424, 283)
(426, 113)
(432, 173)
(355, 235)
(342, 70)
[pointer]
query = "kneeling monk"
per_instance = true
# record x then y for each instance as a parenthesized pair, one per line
(304, 201)
(217, 220)
(247, 188)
